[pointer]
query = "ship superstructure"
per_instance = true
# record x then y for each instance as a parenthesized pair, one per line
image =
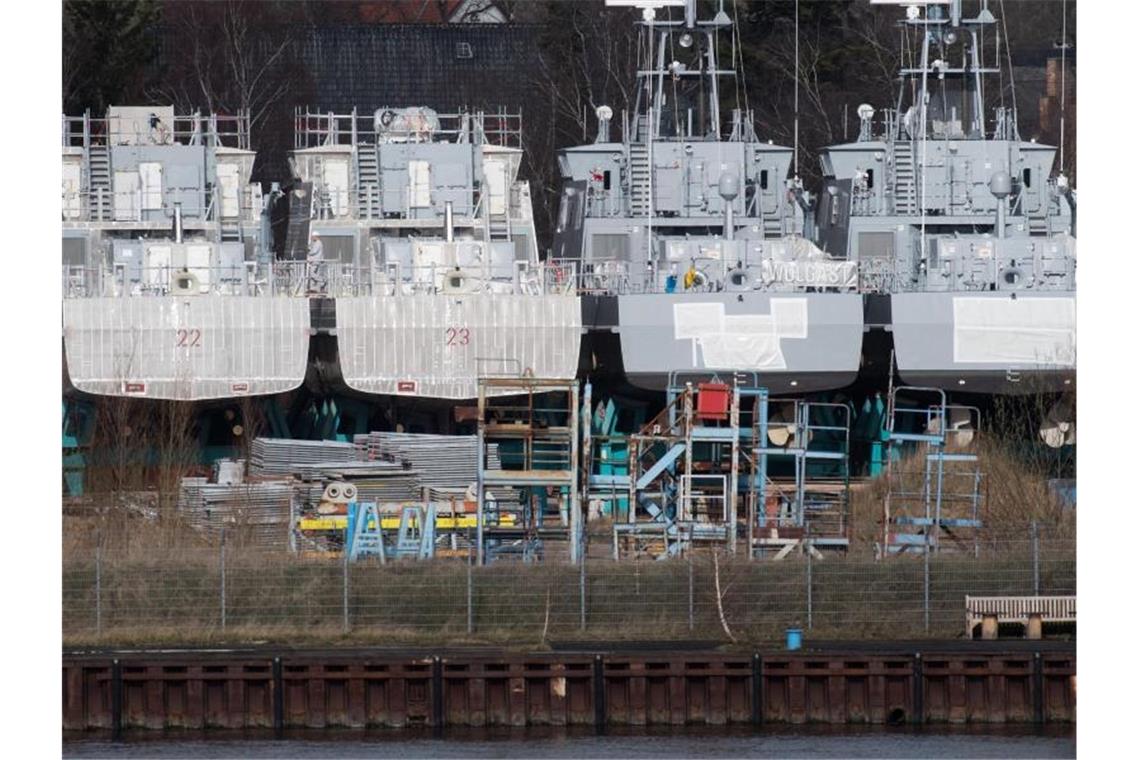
(688, 223)
(416, 223)
(961, 222)
(169, 288)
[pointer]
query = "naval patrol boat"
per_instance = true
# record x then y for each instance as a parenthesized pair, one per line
(960, 224)
(168, 283)
(424, 237)
(688, 231)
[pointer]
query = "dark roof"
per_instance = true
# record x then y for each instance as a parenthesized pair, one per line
(445, 67)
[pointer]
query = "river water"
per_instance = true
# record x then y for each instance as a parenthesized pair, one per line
(839, 742)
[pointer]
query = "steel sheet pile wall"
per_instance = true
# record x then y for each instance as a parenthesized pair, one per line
(258, 511)
(186, 349)
(440, 345)
(346, 689)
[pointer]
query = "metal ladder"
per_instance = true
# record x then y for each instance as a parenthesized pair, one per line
(99, 182)
(367, 182)
(906, 195)
(639, 178)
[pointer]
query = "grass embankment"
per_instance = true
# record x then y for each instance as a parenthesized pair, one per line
(160, 583)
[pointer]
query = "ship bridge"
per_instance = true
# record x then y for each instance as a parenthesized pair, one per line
(169, 288)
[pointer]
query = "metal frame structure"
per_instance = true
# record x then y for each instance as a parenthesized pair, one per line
(809, 510)
(933, 473)
(684, 463)
(542, 417)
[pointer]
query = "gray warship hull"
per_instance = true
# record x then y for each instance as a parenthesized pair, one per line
(987, 342)
(795, 342)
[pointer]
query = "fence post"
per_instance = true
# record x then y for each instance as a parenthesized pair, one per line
(344, 598)
(470, 595)
(926, 587)
(223, 569)
(1036, 560)
(98, 584)
(582, 593)
(690, 591)
(808, 544)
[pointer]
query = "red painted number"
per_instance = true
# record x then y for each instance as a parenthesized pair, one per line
(189, 338)
(458, 336)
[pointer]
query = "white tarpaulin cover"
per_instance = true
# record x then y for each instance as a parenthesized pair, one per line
(189, 348)
(1010, 331)
(744, 341)
(438, 346)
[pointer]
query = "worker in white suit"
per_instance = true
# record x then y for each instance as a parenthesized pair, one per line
(315, 265)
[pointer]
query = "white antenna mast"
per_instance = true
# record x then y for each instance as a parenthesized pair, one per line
(1064, 47)
(796, 106)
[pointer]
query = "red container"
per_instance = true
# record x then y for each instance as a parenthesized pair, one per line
(712, 401)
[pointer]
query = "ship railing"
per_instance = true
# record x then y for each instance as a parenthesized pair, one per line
(604, 203)
(877, 276)
(313, 129)
(228, 130)
(249, 278)
(342, 280)
(197, 203)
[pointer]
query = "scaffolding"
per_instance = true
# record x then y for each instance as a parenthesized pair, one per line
(535, 424)
(687, 467)
(933, 472)
(805, 479)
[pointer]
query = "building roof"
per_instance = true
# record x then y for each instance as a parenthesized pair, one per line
(446, 67)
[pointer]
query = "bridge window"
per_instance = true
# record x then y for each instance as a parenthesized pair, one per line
(1026, 176)
(606, 179)
(870, 179)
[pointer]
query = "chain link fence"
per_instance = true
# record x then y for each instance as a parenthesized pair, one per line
(225, 592)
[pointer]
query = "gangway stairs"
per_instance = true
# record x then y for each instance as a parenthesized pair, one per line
(933, 500)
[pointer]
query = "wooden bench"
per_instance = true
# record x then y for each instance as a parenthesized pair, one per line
(1030, 611)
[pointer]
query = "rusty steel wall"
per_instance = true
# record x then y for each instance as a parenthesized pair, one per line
(361, 689)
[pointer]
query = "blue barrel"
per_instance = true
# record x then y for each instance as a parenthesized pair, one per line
(795, 637)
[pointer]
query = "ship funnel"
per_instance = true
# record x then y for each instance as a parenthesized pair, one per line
(177, 222)
(729, 187)
(1001, 186)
